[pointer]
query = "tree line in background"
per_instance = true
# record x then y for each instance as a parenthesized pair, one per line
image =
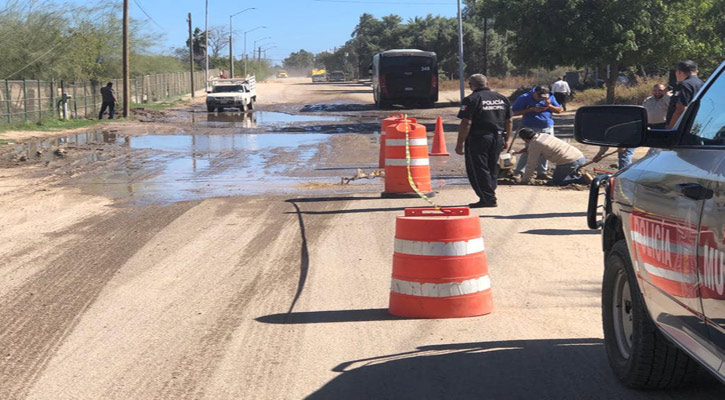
(643, 37)
(43, 40)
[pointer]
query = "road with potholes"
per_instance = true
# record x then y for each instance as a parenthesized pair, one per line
(189, 267)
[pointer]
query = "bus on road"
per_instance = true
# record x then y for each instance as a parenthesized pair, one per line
(406, 77)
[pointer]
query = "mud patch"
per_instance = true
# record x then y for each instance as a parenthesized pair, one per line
(337, 107)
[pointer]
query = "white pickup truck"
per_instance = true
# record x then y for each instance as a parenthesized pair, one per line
(231, 93)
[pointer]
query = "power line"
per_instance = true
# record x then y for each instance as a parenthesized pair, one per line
(147, 14)
(41, 56)
(383, 2)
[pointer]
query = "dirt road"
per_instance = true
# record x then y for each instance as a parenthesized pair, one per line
(136, 265)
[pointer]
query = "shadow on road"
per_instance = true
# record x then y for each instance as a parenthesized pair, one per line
(352, 211)
(561, 232)
(304, 257)
(326, 317)
(537, 216)
(516, 369)
(323, 199)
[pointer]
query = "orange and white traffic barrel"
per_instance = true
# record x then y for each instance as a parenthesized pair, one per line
(439, 265)
(397, 182)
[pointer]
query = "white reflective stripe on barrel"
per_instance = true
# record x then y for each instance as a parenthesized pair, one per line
(400, 162)
(401, 142)
(460, 248)
(449, 289)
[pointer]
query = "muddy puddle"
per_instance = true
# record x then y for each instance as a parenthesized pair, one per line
(193, 162)
(168, 168)
(249, 120)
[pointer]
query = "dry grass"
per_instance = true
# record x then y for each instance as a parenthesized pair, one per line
(625, 94)
(511, 82)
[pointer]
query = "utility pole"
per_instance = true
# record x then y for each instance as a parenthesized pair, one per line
(126, 77)
(231, 34)
(485, 45)
(259, 54)
(460, 50)
(231, 53)
(245, 47)
(191, 56)
(206, 43)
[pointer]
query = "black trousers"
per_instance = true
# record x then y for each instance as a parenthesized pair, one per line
(482, 152)
(111, 109)
(561, 98)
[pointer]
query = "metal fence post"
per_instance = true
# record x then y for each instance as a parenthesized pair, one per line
(40, 102)
(52, 97)
(85, 99)
(93, 95)
(75, 101)
(25, 101)
(7, 102)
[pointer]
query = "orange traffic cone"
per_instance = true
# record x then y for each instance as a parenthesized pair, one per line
(439, 140)
(439, 265)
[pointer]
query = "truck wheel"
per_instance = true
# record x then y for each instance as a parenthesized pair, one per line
(251, 104)
(209, 108)
(243, 108)
(220, 109)
(640, 356)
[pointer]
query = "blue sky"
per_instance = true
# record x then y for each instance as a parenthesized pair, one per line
(313, 25)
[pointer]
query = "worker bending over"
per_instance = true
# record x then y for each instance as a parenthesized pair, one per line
(567, 158)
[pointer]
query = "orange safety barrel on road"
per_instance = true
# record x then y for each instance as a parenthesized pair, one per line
(439, 265)
(391, 120)
(396, 165)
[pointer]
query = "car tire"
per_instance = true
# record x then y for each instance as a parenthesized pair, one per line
(209, 108)
(243, 108)
(251, 105)
(220, 109)
(639, 354)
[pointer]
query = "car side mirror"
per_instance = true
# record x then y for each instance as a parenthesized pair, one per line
(616, 126)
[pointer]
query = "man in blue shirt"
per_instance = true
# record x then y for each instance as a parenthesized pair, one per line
(537, 107)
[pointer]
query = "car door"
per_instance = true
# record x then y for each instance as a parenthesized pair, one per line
(669, 214)
(664, 227)
(678, 199)
(708, 133)
(711, 266)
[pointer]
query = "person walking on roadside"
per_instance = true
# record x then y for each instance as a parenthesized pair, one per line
(486, 125)
(561, 91)
(688, 83)
(537, 108)
(108, 97)
(566, 157)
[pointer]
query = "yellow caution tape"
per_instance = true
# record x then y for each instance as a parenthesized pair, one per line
(410, 176)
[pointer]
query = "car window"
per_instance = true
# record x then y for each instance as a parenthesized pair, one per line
(708, 127)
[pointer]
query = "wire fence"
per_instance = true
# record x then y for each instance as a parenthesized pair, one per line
(35, 101)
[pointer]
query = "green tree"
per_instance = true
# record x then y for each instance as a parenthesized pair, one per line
(616, 33)
(301, 60)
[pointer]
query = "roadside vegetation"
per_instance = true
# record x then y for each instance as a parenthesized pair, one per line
(46, 40)
(602, 40)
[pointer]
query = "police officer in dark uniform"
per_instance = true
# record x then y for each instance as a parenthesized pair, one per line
(486, 125)
(688, 84)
